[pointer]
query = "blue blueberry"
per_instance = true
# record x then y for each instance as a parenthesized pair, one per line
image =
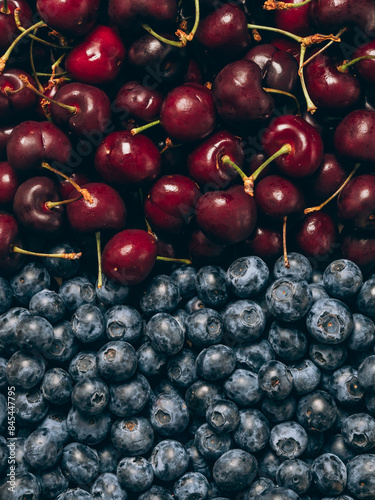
(191, 485)
(275, 380)
(363, 334)
(288, 439)
(107, 487)
(247, 277)
(200, 395)
(52, 483)
(165, 333)
(205, 327)
(116, 361)
(76, 292)
(47, 304)
(328, 356)
(123, 323)
(279, 411)
(289, 298)
(317, 411)
(335, 444)
(84, 365)
(216, 362)
(185, 276)
(253, 431)
(108, 457)
(257, 487)
(31, 279)
(133, 436)
(361, 477)
(156, 493)
(211, 286)
(150, 362)
(318, 291)
(244, 321)
(223, 416)
(169, 460)
(366, 298)
(169, 414)
(64, 344)
(252, 357)
(4, 454)
(329, 474)
(235, 470)
(295, 475)
(299, 267)
(90, 396)
(8, 326)
(75, 493)
(129, 397)
(26, 485)
(80, 463)
(366, 373)
(242, 387)
(196, 462)
(62, 268)
(181, 369)
(306, 377)
(342, 279)
(6, 295)
(194, 304)
(289, 344)
(279, 493)
(88, 323)
(112, 293)
(25, 370)
(358, 431)
(56, 421)
(210, 444)
(34, 332)
(57, 386)
(88, 429)
(345, 387)
(161, 295)
(135, 474)
(329, 321)
(269, 462)
(42, 449)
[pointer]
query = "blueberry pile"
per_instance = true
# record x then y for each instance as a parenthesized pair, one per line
(207, 383)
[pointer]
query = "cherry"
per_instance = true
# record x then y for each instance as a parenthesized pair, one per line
(129, 256)
(137, 101)
(8, 183)
(239, 96)
(69, 16)
(353, 136)
(124, 12)
(4, 137)
(29, 205)
(279, 68)
(358, 247)
(307, 146)
(203, 251)
(98, 58)
(9, 236)
(14, 98)
(316, 235)
(266, 242)
(356, 202)
(256, 161)
(327, 179)
(366, 67)
(226, 217)
(8, 28)
(224, 31)
(170, 203)
(188, 113)
(205, 165)
(296, 20)
(106, 211)
(293, 48)
(32, 143)
(66, 188)
(127, 159)
(327, 86)
(278, 197)
(49, 91)
(193, 74)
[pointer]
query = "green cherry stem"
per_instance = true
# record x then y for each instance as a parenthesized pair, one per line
(99, 252)
(161, 38)
(311, 108)
(297, 38)
(68, 256)
(32, 64)
(171, 259)
(5, 9)
(138, 130)
(333, 40)
(275, 5)
(52, 204)
(347, 65)
(285, 253)
(288, 94)
(83, 191)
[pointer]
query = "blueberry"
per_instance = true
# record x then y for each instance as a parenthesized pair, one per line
(235, 470)
(112, 293)
(329, 474)
(275, 380)
(318, 292)
(328, 357)
(314, 445)
(242, 387)
(223, 416)
(306, 377)
(88, 429)
(47, 304)
(165, 333)
(90, 396)
(156, 493)
(370, 402)
(80, 463)
(8, 325)
(216, 362)
(6, 295)
(169, 414)
(191, 485)
(116, 361)
(169, 460)
(361, 477)
(289, 344)
(4, 454)
(150, 362)
(196, 462)
(181, 316)
(30, 406)
(317, 411)
(329, 321)
(63, 268)
(366, 298)
(84, 365)
(336, 445)
(211, 286)
(25, 370)
(257, 487)
(135, 474)
(210, 444)
(289, 298)
(181, 369)
(244, 321)
(200, 395)
(295, 475)
(64, 344)
(107, 487)
(56, 421)
(76, 292)
(133, 436)
(123, 323)
(129, 397)
(299, 267)
(358, 431)
(108, 457)
(366, 373)
(57, 386)
(269, 462)
(344, 386)
(279, 493)
(42, 449)
(205, 327)
(162, 295)
(34, 332)
(75, 493)
(252, 357)
(247, 277)
(253, 431)
(363, 334)
(88, 323)
(288, 439)
(26, 486)
(32, 278)
(52, 483)
(185, 276)
(279, 411)
(342, 279)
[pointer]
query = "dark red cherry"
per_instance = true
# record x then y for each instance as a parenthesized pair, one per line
(328, 87)
(8, 28)
(205, 165)
(358, 247)
(256, 160)
(306, 143)
(366, 67)
(327, 179)
(126, 159)
(266, 242)
(8, 183)
(170, 203)
(316, 235)
(296, 20)
(32, 143)
(278, 197)
(107, 211)
(125, 12)
(293, 48)
(29, 205)
(239, 95)
(98, 58)
(356, 202)
(193, 74)
(129, 256)
(71, 17)
(15, 104)
(226, 217)
(67, 190)
(354, 136)
(93, 110)
(9, 236)
(224, 31)
(279, 68)
(135, 100)
(203, 251)
(188, 113)
(4, 138)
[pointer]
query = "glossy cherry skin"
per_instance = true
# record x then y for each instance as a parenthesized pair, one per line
(125, 12)
(205, 165)
(226, 217)
(67, 190)
(13, 105)
(170, 203)
(356, 202)
(69, 16)
(278, 197)
(93, 106)
(4, 138)
(137, 101)
(293, 48)
(193, 74)
(296, 20)
(239, 95)
(354, 136)
(31, 143)
(128, 160)
(316, 235)
(9, 237)
(9, 183)
(224, 31)
(279, 68)
(306, 143)
(29, 205)
(188, 113)
(107, 211)
(358, 247)
(129, 256)
(8, 28)
(266, 242)
(203, 251)
(98, 58)
(366, 67)
(327, 179)
(328, 87)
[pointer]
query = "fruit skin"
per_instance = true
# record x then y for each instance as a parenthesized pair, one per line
(71, 17)
(278, 197)
(9, 236)
(356, 202)
(8, 28)
(20, 102)
(354, 135)
(124, 12)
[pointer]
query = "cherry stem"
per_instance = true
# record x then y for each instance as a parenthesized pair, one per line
(99, 252)
(276, 30)
(86, 195)
(288, 94)
(138, 130)
(347, 65)
(40, 87)
(275, 5)
(227, 161)
(52, 204)
(322, 49)
(286, 261)
(171, 259)
(337, 192)
(5, 9)
(68, 256)
(311, 108)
